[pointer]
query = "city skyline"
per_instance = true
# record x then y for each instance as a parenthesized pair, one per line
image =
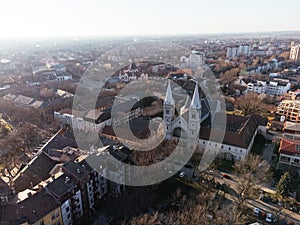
(34, 18)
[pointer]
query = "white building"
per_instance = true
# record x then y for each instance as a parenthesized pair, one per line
(93, 121)
(232, 52)
(243, 50)
(259, 87)
(295, 51)
(194, 61)
(278, 87)
(239, 135)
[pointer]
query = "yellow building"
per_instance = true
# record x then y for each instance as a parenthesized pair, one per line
(37, 209)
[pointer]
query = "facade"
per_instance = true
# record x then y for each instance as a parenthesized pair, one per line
(278, 87)
(259, 87)
(94, 120)
(193, 61)
(289, 110)
(243, 50)
(232, 52)
(293, 95)
(36, 209)
(6, 192)
(295, 51)
(289, 150)
(239, 134)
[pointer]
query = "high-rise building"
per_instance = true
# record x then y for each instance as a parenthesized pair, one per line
(295, 51)
(232, 52)
(244, 50)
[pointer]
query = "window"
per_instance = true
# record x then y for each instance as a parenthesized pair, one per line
(204, 142)
(222, 146)
(298, 147)
(67, 209)
(167, 111)
(229, 148)
(193, 116)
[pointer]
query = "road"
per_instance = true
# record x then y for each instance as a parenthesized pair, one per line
(272, 208)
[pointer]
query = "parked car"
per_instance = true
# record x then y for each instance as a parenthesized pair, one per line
(225, 175)
(181, 174)
(270, 218)
(256, 211)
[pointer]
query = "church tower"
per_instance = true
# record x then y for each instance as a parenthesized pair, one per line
(169, 111)
(195, 114)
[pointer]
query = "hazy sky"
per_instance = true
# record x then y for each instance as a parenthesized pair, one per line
(46, 18)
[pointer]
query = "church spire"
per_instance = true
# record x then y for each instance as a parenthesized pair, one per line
(187, 102)
(195, 104)
(169, 99)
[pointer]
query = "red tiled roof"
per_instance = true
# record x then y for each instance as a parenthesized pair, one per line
(288, 146)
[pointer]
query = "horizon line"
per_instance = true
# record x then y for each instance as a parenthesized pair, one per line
(93, 36)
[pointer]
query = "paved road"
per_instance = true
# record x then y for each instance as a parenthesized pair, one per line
(285, 213)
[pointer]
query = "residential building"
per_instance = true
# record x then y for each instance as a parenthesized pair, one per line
(289, 150)
(193, 61)
(36, 171)
(6, 192)
(289, 110)
(65, 190)
(94, 120)
(278, 87)
(37, 209)
(259, 87)
(232, 52)
(295, 51)
(292, 95)
(243, 50)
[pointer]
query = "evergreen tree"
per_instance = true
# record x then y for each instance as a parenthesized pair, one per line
(282, 186)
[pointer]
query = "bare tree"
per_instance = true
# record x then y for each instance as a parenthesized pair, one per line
(250, 172)
(251, 103)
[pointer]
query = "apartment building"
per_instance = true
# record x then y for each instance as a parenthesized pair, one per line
(289, 110)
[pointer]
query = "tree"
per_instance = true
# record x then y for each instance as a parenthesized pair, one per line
(229, 76)
(202, 209)
(251, 171)
(282, 186)
(250, 103)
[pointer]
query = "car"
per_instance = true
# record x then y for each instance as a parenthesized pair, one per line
(270, 218)
(256, 211)
(181, 174)
(210, 171)
(226, 176)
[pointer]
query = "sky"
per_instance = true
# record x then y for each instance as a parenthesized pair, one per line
(63, 18)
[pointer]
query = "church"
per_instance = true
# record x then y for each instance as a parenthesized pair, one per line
(193, 121)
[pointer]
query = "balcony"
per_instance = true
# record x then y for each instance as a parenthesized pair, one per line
(284, 160)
